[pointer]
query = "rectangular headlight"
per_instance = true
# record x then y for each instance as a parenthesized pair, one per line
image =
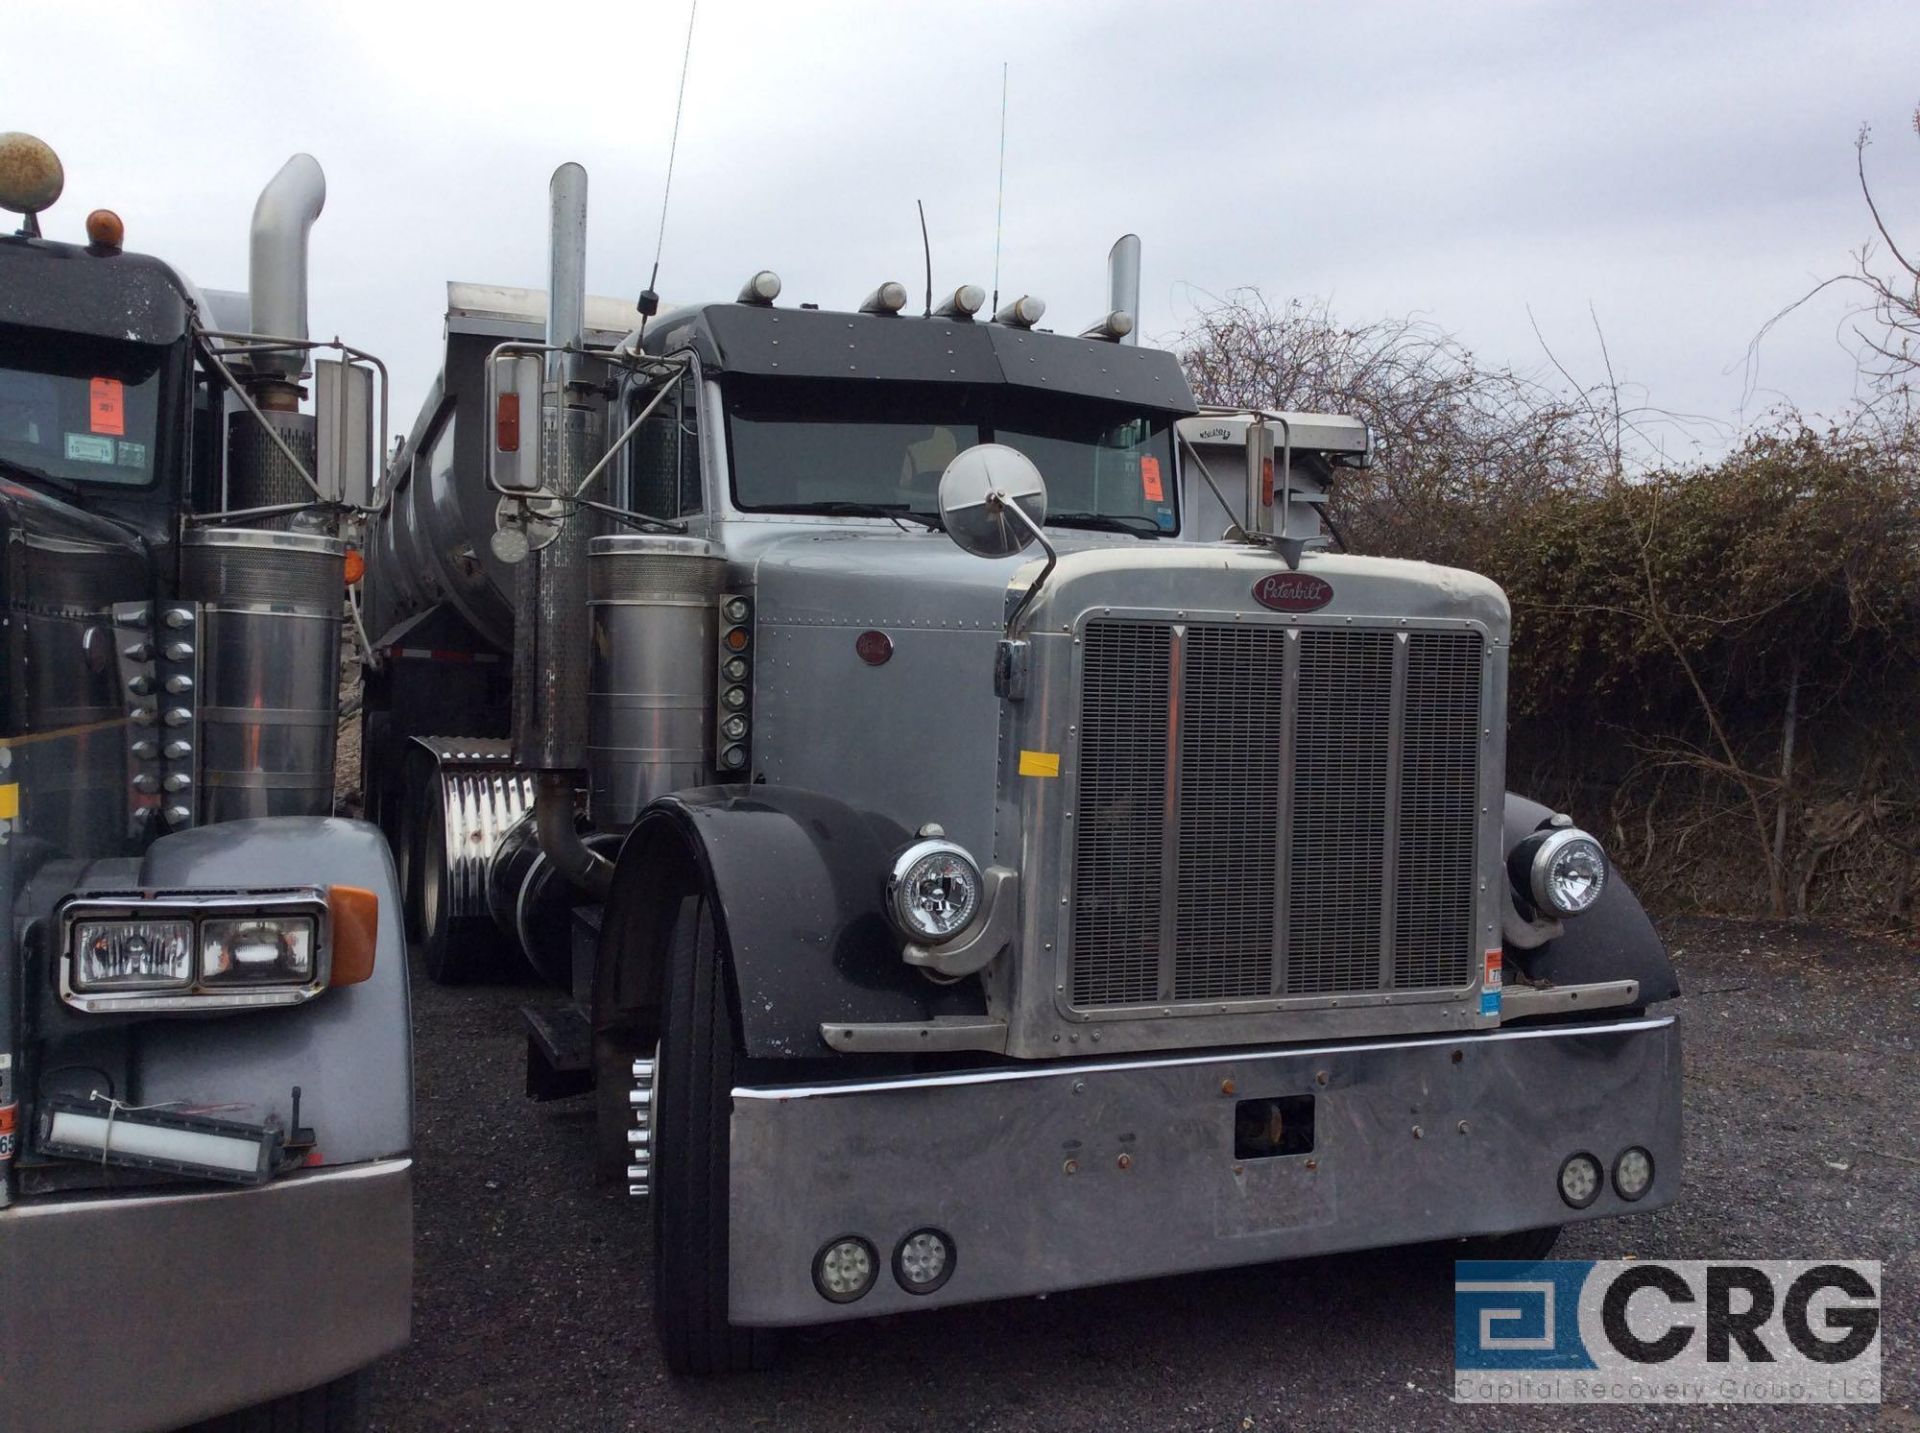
(132, 955)
(194, 950)
(256, 950)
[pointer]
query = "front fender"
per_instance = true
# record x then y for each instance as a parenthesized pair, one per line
(1612, 940)
(796, 881)
(349, 1050)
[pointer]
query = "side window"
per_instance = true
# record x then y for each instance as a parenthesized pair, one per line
(664, 456)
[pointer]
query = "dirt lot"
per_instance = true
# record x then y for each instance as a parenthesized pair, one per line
(531, 1312)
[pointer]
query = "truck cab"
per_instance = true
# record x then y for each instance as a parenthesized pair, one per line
(205, 1067)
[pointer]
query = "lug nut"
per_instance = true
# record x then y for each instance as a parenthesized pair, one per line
(179, 651)
(178, 617)
(178, 716)
(179, 682)
(178, 781)
(177, 750)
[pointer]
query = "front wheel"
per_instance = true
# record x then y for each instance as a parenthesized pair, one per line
(691, 1101)
(336, 1407)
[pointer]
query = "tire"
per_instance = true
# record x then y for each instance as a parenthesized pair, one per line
(1523, 1244)
(454, 950)
(698, 1052)
(337, 1407)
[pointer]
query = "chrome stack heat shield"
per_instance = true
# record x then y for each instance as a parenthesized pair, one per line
(267, 697)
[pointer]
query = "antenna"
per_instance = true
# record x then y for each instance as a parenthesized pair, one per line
(649, 302)
(1000, 196)
(927, 249)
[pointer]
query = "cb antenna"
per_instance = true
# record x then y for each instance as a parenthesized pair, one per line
(1000, 196)
(927, 250)
(649, 303)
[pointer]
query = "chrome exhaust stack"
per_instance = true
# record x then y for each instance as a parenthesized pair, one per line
(277, 274)
(551, 647)
(1123, 289)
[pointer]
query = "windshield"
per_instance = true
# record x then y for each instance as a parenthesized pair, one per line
(79, 410)
(802, 445)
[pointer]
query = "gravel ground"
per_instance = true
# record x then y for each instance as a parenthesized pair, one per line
(531, 1306)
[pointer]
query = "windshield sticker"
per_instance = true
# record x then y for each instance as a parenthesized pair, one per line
(132, 455)
(1150, 480)
(85, 448)
(106, 413)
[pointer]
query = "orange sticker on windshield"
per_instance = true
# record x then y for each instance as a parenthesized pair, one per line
(1150, 480)
(104, 411)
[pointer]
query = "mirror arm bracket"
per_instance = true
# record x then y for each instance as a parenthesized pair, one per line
(1005, 504)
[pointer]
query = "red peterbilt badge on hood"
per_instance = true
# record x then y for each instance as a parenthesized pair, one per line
(1292, 592)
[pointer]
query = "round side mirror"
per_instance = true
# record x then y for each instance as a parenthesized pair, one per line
(976, 492)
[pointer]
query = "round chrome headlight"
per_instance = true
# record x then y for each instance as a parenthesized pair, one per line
(933, 891)
(1568, 872)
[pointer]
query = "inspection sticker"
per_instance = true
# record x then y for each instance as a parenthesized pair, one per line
(1039, 763)
(86, 448)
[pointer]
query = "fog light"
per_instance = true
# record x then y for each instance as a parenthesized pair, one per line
(1632, 1173)
(843, 1270)
(1580, 1180)
(924, 1261)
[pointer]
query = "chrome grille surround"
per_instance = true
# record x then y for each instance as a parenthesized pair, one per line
(1275, 814)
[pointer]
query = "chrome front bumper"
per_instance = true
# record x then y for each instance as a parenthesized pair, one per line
(1060, 1176)
(120, 1313)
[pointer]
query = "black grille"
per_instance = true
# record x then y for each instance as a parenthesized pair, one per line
(1268, 812)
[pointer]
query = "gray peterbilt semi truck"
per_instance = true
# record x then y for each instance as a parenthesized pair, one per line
(205, 1060)
(993, 842)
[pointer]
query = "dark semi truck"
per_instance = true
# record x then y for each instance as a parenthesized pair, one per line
(205, 1068)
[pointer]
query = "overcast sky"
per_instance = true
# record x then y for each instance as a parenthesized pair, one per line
(1686, 170)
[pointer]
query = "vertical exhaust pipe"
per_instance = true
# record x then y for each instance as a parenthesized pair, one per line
(551, 647)
(277, 273)
(1123, 283)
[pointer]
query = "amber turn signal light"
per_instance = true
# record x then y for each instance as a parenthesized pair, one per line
(356, 566)
(355, 916)
(105, 230)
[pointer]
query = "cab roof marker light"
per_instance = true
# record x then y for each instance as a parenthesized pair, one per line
(762, 289)
(1023, 312)
(1112, 328)
(888, 299)
(963, 303)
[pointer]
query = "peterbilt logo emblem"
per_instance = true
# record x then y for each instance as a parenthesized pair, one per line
(1292, 592)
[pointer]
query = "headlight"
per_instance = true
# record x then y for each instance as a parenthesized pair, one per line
(203, 949)
(257, 950)
(1567, 872)
(933, 891)
(132, 955)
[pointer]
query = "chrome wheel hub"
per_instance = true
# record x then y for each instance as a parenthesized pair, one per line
(646, 1082)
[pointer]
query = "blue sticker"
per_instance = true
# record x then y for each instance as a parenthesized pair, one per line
(1489, 1002)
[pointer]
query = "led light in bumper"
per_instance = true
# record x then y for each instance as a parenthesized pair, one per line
(257, 950)
(1632, 1173)
(154, 1139)
(113, 955)
(933, 891)
(924, 1261)
(1580, 1180)
(844, 1269)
